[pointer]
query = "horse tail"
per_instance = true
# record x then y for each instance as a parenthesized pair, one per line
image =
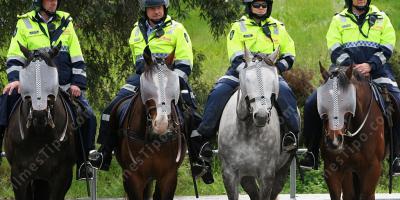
(40, 189)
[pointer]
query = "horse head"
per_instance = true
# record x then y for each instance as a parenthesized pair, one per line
(259, 87)
(39, 85)
(337, 102)
(159, 88)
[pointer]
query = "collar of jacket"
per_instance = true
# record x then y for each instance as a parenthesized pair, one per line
(252, 22)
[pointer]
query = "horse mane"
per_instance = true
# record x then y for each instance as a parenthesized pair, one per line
(340, 73)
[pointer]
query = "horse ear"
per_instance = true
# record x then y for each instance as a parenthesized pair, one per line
(324, 73)
(349, 72)
(169, 60)
(25, 51)
(148, 58)
(272, 58)
(247, 54)
(53, 52)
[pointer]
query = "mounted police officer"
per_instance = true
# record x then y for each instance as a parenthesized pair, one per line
(43, 28)
(361, 35)
(163, 35)
(261, 34)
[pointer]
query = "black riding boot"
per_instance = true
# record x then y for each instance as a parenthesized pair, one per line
(2, 129)
(201, 158)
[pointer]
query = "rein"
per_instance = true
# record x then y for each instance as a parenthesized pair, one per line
(348, 133)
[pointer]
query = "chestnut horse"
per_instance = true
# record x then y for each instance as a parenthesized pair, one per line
(151, 146)
(353, 147)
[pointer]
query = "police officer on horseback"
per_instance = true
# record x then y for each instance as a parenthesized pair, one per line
(261, 34)
(163, 35)
(361, 35)
(43, 28)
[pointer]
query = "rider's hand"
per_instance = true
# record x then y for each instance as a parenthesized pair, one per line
(364, 68)
(11, 86)
(75, 91)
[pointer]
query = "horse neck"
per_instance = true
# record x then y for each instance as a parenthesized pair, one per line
(363, 100)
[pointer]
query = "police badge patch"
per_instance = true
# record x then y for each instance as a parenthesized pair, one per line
(231, 34)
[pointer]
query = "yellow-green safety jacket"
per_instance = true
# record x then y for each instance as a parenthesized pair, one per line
(174, 37)
(369, 39)
(33, 33)
(247, 31)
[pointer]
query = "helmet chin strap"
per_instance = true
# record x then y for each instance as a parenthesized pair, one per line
(361, 8)
(49, 13)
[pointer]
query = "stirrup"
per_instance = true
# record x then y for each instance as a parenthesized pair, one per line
(292, 146)
(88, 166)
(205, 158)
(95, 156)
(314, 162)
(203, 166)
(397, 173)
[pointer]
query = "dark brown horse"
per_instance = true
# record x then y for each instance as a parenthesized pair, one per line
(152, 146)
(353, 147)
(39, 140)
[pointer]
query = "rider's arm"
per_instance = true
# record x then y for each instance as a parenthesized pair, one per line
(183, 53)
(334, 42)
(387, 43)
(288, 51)
(15, 58)
(77, 61)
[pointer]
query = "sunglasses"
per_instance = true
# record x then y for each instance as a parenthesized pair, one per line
(259, 5)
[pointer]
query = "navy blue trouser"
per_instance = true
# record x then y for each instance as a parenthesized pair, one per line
(221, 94)
(313, 124)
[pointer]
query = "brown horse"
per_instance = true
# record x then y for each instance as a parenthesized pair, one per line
(152, 146)
(39, 140)
(353, 147)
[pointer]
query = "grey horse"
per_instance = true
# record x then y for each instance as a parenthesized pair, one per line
(249, 133)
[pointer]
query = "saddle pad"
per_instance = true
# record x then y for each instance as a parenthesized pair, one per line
(122, 111)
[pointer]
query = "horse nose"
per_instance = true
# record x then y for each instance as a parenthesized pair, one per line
(334, 140)
(261, 117)
(160, 124)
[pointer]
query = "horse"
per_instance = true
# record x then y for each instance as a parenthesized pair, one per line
(39, 141)
(353, 146)
(249, 133)
(151, 144)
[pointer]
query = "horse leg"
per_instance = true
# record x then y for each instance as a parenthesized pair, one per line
(348, 186)
(60, 184)
(266, 184)
(21, 187)
(333, 179)
(40, 189)
(167, 185)
(134, 187)
(231, 182)
(250, 187)
(369, 180)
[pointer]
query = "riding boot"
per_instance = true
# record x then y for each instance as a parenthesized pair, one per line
(2, 129)
(289, 141)
(201, 157)
(101, 159)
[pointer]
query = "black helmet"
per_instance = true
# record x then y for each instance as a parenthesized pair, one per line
(349, 5)
(150, 3)
(38, 6)
(269, 8)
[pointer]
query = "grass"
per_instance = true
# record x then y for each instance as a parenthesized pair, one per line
(307, 22)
